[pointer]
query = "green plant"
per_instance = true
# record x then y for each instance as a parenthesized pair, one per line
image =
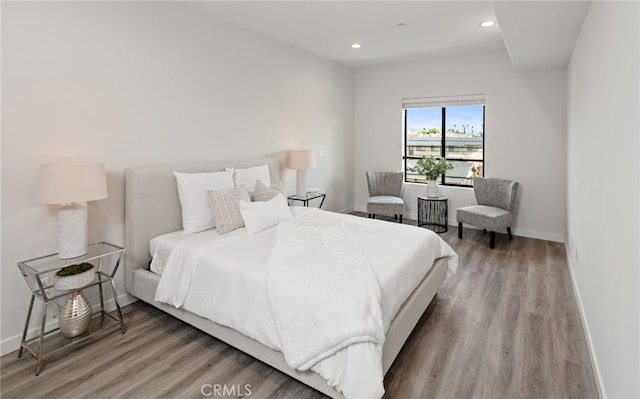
(431, 167)
(74, 269)
(431, 131)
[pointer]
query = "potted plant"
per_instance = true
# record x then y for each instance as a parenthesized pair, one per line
(432, 168)
(74, 277)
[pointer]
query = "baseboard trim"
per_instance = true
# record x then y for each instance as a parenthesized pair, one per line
(585, 327)
(13, 343)
(540, 235)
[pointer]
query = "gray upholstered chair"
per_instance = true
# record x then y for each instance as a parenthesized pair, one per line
(385, 194)
(496, 202)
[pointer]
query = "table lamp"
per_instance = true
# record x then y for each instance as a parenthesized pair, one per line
(302, 160)
(70, 185)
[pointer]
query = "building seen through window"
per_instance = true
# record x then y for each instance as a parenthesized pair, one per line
(462, 143)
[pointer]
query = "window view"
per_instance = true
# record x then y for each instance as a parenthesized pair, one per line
(462, 143)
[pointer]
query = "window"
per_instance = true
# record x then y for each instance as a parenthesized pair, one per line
(461, 119)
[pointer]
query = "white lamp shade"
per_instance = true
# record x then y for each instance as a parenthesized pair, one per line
(301, 159)
(71, 182)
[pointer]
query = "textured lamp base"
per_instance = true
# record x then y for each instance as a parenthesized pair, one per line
(72, 230)
(301, 183)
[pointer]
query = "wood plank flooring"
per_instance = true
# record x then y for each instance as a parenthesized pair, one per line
(505, 326)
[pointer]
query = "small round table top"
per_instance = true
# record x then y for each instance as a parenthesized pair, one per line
(424, 197)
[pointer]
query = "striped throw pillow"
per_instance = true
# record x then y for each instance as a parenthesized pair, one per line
(226, 210)
(263, 192)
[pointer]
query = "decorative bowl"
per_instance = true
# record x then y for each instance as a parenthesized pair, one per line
(74, 281)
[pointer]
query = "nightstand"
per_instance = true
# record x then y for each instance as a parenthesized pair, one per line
(433, 213)
(39, 274)
(306, 198)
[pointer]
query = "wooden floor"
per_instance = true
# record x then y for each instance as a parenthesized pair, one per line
(505, 326)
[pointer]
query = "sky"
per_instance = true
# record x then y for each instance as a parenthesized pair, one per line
(457, 117)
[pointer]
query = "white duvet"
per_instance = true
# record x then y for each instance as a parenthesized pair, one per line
(222, 278)
(323, 291)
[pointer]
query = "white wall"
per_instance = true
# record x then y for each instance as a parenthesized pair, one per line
(141, 83)
(603, 197)
(524, 131)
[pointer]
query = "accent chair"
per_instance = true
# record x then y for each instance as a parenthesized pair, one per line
(495, 210)
(385, 194)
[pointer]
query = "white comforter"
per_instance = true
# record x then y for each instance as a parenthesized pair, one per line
(222, 278)
(323, 291)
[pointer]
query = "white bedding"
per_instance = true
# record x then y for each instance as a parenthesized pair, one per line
(323, 292)
(160, 247)
(222, 278)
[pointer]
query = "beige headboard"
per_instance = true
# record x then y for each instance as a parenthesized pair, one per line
(152, 206)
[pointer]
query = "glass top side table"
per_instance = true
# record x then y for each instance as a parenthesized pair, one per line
(39, 274)
(307, 197)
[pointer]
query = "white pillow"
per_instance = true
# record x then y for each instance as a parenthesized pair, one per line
(193, 191)
(248, 176)
(258, 216)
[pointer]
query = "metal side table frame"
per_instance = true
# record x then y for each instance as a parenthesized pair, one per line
(433, 213)
(306, 198)
(39, 274)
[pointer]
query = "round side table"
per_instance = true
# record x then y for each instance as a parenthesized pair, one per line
(433, 213)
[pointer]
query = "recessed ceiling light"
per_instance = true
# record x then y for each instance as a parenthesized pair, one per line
(356, 45)
(487, 24)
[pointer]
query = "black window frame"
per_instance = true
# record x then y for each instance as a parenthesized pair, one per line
(443, 147)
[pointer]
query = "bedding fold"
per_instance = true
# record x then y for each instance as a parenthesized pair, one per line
(323, 291)
(175, 283)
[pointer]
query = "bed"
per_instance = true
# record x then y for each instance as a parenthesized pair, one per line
(151, 191)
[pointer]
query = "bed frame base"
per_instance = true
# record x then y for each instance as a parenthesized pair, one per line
(145, 283)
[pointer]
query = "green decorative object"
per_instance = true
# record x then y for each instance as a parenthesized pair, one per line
(74, 269)
(74, 277)
(432, 168)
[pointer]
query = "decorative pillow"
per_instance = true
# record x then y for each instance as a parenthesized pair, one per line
(264, 193)
(258, 216)
(193, 193)
(226, 209)
(248, 176)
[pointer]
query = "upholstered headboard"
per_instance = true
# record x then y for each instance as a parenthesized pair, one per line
(152, 206)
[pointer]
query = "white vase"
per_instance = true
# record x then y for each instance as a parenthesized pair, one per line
(432, 189)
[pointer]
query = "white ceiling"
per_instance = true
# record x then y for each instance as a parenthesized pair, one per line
(540, 34)
(432, 28)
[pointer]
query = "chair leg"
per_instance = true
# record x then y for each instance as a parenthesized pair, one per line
(395, 217)
(373, 216)
(492, 241)
(400, 219)
(509, 233)
(484, 231)
(459, 229)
